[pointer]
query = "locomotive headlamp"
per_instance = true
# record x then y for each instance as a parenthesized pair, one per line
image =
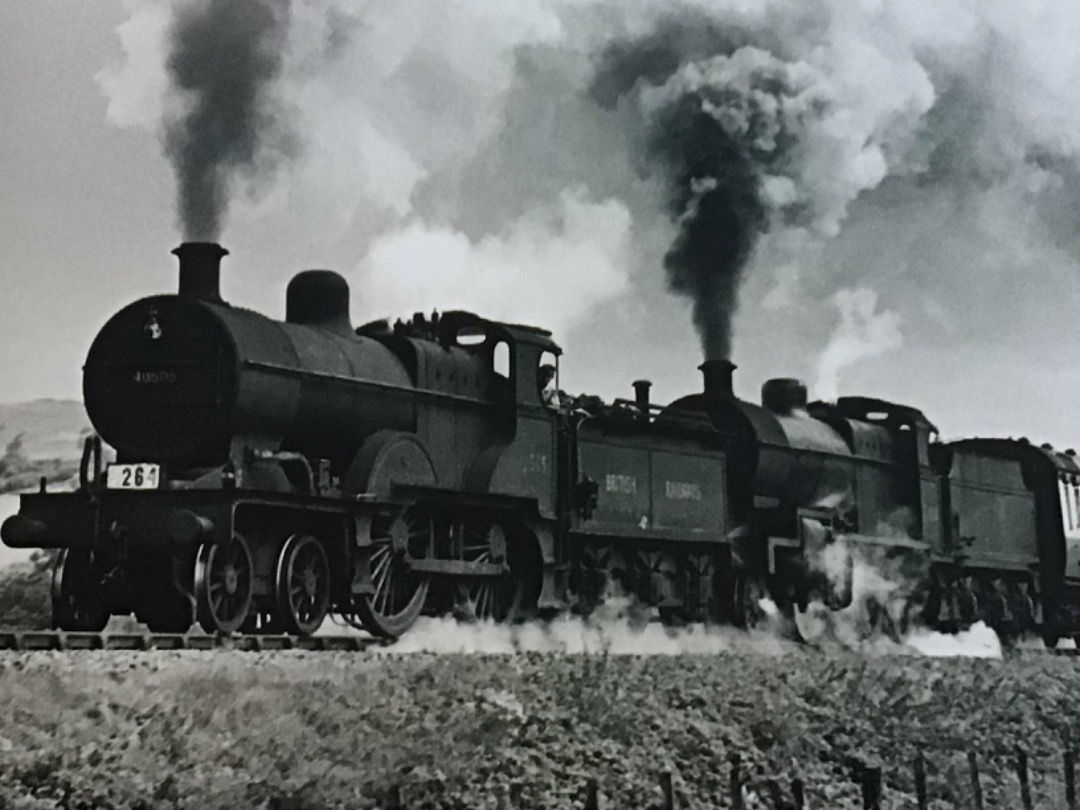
(152, 329)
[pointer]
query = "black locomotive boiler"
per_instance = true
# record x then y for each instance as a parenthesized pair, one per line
(271, 473)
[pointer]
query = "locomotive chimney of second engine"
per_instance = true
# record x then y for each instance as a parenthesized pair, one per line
(641, 394)
(718, 378)
(200, 270)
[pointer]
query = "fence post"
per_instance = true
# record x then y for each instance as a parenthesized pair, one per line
(976, 788)
(798, 793)
(592, 794)
(668, 790)
(871, 787)
(1070, 778)
(736, 783)
(1070, 774)
(1022, 775)
(920, 781)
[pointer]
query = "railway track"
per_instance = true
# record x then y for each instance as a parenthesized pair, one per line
(26, 640)
(44, 640)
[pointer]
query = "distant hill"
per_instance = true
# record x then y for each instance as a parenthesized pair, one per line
(40, 438)
(43, 437)
(50, 428)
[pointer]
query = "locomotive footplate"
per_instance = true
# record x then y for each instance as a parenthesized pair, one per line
(139, 519)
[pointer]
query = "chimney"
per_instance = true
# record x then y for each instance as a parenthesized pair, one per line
(717, 374)
(200, 270)
(641, 394)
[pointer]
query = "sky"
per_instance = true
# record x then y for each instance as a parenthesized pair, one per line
(882, 199)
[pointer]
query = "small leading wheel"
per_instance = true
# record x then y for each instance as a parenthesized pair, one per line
(303, 585)
(397, 593)
(77, 596)
(223, 585)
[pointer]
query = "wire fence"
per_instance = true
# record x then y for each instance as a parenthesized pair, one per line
(868, 777)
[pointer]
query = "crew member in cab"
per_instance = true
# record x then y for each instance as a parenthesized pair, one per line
(549, 389)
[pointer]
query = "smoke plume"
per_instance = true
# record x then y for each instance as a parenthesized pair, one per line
(764, 155)
(721, 127)
(224, 57)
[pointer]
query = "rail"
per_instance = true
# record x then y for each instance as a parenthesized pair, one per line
(27, 640)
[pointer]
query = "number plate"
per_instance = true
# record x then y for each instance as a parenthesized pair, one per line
(132, 476)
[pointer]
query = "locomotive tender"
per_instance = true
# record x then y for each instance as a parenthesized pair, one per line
(271, 473)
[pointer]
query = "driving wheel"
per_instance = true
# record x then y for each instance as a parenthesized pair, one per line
(397, 593)
(491, 598)
(223, 585)
(303, 585)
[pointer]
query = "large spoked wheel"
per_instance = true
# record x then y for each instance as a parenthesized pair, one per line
(77, 597)
(223, 585)
(492, 598)
(303, 585)
(398, 592)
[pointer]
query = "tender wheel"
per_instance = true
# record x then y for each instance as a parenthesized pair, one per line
(397, 592)
(497, 599)
(748, 591)
(813, 618)
(303, 585)
(77, 596)
(877, 621)
(223, 585)
(913, 615)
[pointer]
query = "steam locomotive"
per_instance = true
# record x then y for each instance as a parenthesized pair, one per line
(269, 474)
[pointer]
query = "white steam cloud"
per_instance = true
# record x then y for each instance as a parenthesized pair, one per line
(522, 275)
(570, 635)
(605, 634)
(863, 332)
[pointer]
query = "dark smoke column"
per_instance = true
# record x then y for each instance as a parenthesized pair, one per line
(715, 201)
(224, 57)
(722, 118)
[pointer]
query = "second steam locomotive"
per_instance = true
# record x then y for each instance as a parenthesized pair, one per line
(269, 474)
